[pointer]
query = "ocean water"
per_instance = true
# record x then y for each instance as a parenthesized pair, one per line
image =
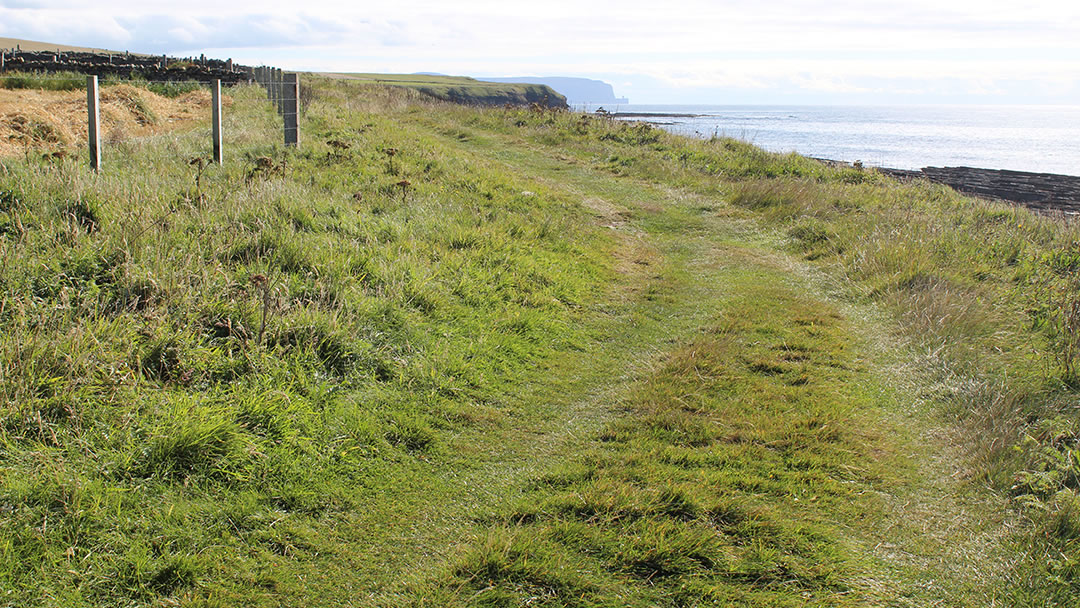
(1023, 138)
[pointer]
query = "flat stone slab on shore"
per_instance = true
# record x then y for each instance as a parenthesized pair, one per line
(1040, 191)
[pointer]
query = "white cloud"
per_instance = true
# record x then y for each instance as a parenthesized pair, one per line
(836, 46)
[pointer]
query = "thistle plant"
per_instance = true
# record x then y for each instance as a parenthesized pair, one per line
(404, 185)
(261, 282)
(199, 163)
(338, 149)
(390, 154)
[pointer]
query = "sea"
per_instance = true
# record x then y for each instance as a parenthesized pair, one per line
(1042, 139)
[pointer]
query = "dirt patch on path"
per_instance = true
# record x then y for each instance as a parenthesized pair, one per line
(50, 121)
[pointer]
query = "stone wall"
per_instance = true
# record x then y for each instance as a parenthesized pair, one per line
(124, 65)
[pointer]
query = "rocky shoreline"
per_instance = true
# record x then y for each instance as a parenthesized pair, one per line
(1045, 192)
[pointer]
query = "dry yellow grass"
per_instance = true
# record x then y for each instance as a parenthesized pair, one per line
(51, 120)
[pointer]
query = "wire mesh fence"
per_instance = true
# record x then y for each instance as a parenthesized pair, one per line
(35, 125)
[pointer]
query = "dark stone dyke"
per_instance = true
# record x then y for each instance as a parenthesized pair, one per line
(124, 65)
(1045, 192)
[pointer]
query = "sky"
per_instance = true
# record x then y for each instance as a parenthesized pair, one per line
(680, 51)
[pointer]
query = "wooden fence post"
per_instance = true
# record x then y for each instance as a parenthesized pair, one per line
(275, 89)
(215, 102)
(290, 109)
(92, 122)
(280, 91)
(285, 90)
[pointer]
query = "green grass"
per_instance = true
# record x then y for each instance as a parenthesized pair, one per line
(571, 362)
(984, 293)
(465, 90)
(725, 482)
(58, 81)
(73, 81)
(421, 79)
(390, 325)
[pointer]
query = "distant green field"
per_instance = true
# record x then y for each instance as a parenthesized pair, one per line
(462, 89)
(425, 79)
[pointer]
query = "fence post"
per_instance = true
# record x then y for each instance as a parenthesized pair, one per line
(290, 109)
(216, 104)
(92, 119)
(279, 88)
(279, 92)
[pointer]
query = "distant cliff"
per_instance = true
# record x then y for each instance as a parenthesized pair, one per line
(465, 90)
(577, 90)
(515, 94)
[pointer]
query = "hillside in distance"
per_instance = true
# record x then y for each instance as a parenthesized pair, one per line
(467, 91)
(454, 89)
(577, 90)
(34, 45)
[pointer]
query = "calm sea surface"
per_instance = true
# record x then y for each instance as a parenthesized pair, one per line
(1023, 138)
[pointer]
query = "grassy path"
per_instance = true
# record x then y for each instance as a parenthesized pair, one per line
(865, 512)
(661, 297)
(924, 537)
(547, 369)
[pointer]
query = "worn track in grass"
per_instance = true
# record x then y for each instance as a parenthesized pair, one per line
(928, 538)
(726, 426)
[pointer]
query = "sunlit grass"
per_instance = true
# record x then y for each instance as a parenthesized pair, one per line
(573, 362)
